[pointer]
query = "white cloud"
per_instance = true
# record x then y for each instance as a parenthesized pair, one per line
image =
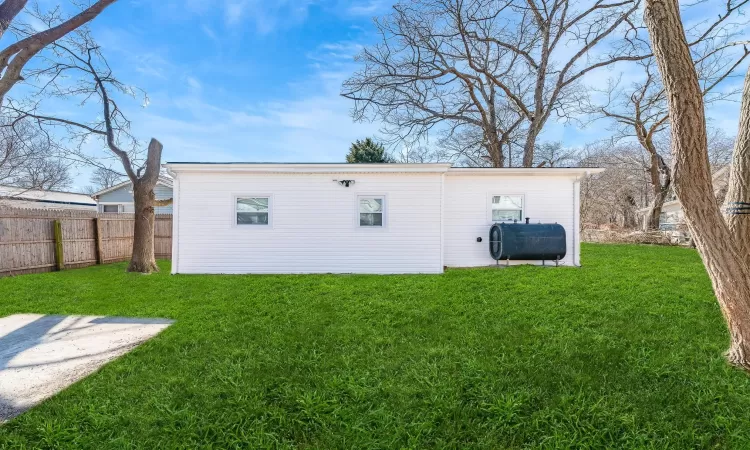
(234, 10)
(312, 124)
(209, 32)
(367, 8)
(194, 84)
(267, 16)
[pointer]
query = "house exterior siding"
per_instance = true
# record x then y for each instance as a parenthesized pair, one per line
(433, 217)
(547, 199)
(314, 226)
(124, 196)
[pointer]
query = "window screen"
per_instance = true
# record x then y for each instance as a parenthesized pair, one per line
(371, 210)
(253, 211)
(507, 208)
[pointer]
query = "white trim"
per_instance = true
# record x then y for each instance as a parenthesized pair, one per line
(268, 225)
(175, 226)
(357, 222)
(177, 167)
(308, 168)
(507, 194)
(524, 171)
(120, 206)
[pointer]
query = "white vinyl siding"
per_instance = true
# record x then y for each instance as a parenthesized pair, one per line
(315, 224)
(468, 212)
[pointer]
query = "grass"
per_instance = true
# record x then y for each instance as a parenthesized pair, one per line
(624, 352)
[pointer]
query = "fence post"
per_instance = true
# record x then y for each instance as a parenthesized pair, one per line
(98, 236)
(59, 257)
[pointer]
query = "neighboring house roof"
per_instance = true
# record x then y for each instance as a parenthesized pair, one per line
(39, 198)
(164, 181)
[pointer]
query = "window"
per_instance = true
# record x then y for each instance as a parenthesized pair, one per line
(253, 211)
(507, 208)
(371, 211)
(110, 208)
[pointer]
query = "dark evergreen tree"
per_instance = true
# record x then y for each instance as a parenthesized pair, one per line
(367, 151)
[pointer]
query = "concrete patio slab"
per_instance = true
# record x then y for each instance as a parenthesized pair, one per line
(41, 355)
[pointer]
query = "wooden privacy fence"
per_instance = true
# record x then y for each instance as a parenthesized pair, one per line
(39, 240)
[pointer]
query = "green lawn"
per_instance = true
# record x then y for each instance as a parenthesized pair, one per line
(624, 352)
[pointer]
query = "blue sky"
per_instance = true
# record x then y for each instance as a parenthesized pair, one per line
(251, 80)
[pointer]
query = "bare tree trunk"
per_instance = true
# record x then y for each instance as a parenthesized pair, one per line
(738, 190)
(143, 259)
(495, 148)
(628, 212)
(652, 219)
(659, 188)
(725, 265)
(9, 9)
(535, 127)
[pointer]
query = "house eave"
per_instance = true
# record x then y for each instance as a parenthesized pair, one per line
(525, 171)
(178, 167)
(181, 167)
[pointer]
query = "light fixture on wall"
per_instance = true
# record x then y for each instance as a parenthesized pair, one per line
(345, 183)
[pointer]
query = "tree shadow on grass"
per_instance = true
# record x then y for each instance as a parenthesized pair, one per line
(25, 337)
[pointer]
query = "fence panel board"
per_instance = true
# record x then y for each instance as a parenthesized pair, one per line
(27, 241)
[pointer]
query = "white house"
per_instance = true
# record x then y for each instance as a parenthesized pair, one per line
(119, 198)
(358, 218)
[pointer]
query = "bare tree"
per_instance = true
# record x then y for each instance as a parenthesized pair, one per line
(419, 155)
(14, 57)
(78, 57)
(561, 41)
(29, 160)
(639, 110)
(553, 154)
(613, 196)
(721, 252)
(493, 65)
(435, 70)
(105, 177)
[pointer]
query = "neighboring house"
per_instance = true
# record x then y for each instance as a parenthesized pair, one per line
(359, 218)
(672, 217)
(119, 198)
(41, 199)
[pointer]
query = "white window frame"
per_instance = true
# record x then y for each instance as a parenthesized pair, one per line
(489, 206)
(385, 212)
(252, 225)
(120, 207)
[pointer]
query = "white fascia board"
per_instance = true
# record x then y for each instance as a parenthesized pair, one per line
(307, 168)
(525, 171)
